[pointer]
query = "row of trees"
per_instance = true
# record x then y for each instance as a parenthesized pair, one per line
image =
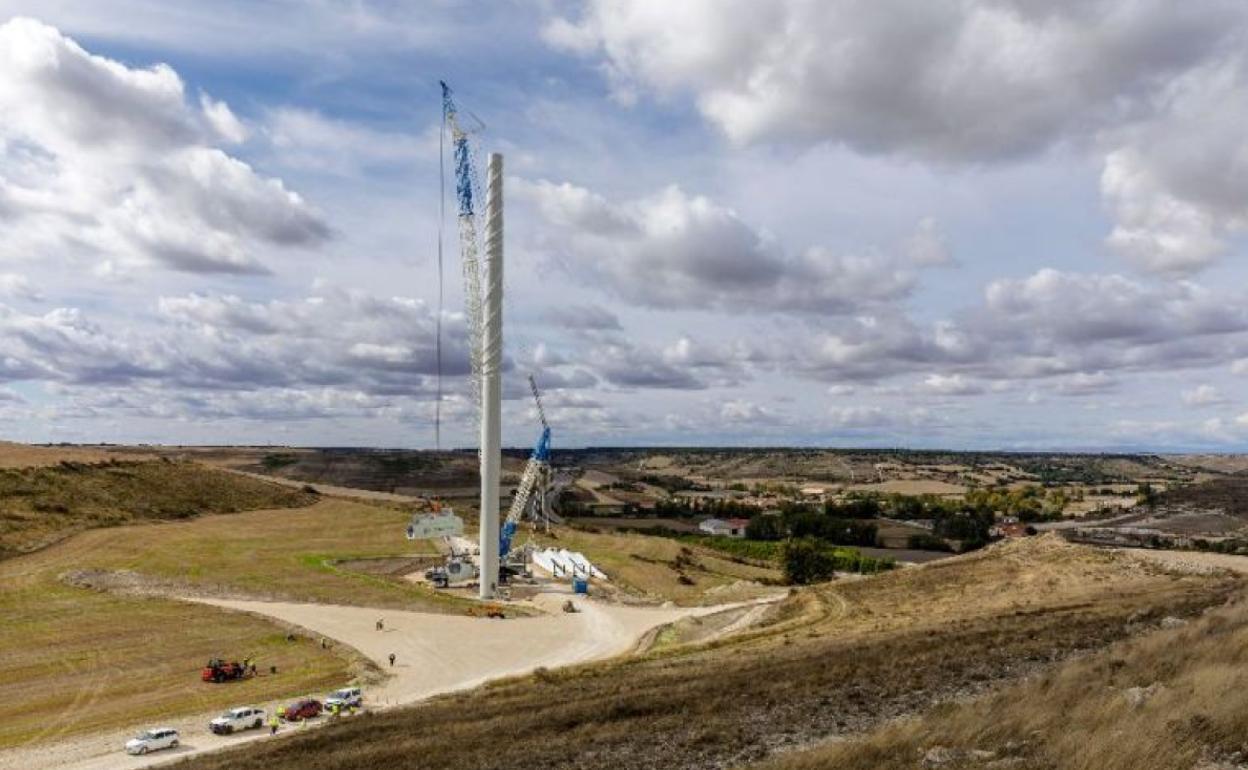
(1030, 503)
(799, 523)
(687, 508)
(810, 560)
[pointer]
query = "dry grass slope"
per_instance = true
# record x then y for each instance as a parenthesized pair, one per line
(651, 567)
(32, 456)
(40, 505)
(1177, 698)
(835, 660)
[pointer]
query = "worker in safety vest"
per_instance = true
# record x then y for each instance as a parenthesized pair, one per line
(273, 723)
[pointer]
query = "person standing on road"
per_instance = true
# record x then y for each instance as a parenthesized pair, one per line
(381, 624)
(273, 722)
(392, 660)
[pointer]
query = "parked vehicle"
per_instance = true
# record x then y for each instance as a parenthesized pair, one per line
(347, 696)
(153, 740)
(241, 718)
(305, 708)
(219, 670)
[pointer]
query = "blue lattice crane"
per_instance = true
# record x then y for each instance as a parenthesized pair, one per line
(536, 471)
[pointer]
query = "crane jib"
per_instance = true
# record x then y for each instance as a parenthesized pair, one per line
(463, 159)
(463, 176)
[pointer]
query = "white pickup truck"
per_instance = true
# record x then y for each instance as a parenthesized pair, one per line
(242, 718)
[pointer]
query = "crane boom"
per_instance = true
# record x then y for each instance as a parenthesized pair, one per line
(539, 462)
(537, 399)
(467, 187)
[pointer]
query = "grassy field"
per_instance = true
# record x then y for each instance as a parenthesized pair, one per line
(836, 660)
(40, 505)
(32, 456)
(652, 567)
(76, 661)
(277, 554)
(84, 660)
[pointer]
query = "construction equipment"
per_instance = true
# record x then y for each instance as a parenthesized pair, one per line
(439, 522)
(467, 189)
(535, 471)
(459, 568)
(219, 670)
(483, 288)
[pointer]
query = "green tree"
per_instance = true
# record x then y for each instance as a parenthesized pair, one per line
(765, 526)
(807, 561)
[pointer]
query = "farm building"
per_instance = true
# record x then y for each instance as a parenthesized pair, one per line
(724, 527)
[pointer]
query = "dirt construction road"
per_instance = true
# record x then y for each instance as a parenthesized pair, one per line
(434, 654)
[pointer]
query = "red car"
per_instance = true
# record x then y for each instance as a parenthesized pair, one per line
(302, 709)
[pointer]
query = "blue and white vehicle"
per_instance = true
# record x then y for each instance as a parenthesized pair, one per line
(347, 696)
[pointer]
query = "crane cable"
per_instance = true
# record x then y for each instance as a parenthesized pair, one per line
(437, 408)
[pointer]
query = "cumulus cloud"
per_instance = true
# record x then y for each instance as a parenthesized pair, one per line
(336, 337)
(869, 348)
(878, 418)
(1203, 395)
(1177, 182)
(1049, 325)
(814, 71)
(16, 286)
(1055, 322)
(114, 163)
(336, 344)
(223, 120)
(1086, 384)
(928, 246)
(1157, 88)
(743, 411)
(627, 366)
(952, 385)
(685, 364)
(675, 250)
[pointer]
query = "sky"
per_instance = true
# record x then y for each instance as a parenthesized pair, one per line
(981, 224)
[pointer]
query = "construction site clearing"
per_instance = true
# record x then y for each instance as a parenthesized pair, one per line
(415, 655)
(337, 580)
(229, 564)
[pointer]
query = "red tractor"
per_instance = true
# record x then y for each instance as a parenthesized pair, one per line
(219, 670)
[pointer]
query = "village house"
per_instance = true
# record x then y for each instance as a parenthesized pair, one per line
(724, 527)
